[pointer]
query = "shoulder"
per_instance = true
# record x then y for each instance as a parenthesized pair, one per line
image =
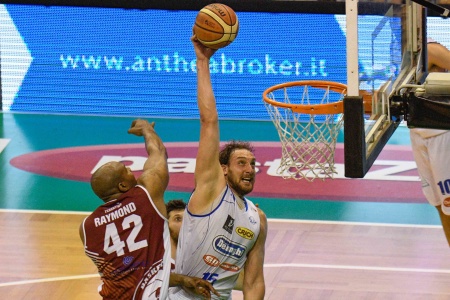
(262, 216)
(136, 193)
(94, 214)
(255, 207)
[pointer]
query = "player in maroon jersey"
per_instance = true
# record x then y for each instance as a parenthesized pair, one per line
(127, 237)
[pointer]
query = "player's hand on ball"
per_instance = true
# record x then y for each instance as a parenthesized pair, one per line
(201, 50)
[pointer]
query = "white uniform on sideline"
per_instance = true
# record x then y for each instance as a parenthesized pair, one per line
(215, 246)
(431, 149)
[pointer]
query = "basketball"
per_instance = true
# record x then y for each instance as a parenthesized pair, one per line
(216, 25)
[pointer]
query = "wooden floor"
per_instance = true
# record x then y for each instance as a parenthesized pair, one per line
(42, 258)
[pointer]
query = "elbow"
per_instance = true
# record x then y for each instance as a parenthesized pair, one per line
(211, 119)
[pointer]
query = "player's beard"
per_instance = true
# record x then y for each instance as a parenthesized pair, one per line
(239, 186)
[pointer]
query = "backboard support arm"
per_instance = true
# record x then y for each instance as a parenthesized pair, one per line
(442, 11)
(359, 155)
(354, 138)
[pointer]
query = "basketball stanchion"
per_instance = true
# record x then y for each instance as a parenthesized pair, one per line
(308, 116)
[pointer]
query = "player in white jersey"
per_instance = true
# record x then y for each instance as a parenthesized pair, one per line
(222, 233)
(431, 149)
(224, 238)
(175, 212)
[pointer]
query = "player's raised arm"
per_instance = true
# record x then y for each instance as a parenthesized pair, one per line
(155, 176)
(131, 223)
(209, 178)
(438, 58)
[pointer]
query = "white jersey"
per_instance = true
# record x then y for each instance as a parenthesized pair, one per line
(432, 155)
(426, 133)
(215, 246)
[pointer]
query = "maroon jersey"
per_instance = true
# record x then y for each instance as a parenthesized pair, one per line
(129, 242)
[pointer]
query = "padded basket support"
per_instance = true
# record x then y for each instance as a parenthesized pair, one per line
(431, 113)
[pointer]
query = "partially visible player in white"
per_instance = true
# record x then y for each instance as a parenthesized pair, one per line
(222, 233)
(175, 212)
(431, 149)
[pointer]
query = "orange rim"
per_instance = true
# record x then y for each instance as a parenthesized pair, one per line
(316, 109)
(367, 100)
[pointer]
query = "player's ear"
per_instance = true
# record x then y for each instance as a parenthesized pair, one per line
(225, 169)
(123, 186)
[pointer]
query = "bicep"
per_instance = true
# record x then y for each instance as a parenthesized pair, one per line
(155, 178)
(438, 56)
(207, 164)
(209, 178)
(155, 182)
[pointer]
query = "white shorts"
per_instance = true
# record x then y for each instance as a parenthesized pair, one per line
(432, 156)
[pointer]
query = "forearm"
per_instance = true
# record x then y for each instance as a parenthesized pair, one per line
(155, 176)
(195, 285)
(254, 292)
(176, 279)
(153, 143)
(205, 95)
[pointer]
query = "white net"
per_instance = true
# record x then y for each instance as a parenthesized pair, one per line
(308, 139)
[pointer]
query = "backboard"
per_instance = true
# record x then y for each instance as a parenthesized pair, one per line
(386, 49)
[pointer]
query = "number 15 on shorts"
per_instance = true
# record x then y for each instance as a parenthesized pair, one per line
(211, 277)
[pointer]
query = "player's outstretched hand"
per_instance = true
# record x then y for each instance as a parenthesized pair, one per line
(196, 285)
(201, 287)
(139, 126)
(201, 51)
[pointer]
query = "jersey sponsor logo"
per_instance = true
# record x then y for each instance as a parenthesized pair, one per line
(393, 174)
(229, 267)
(229, 224)
(155, 269)
(211, 260)
(245, 233)
(128, 265)
(119, 213)
(113, 208)
(226, 247)
(127, 260)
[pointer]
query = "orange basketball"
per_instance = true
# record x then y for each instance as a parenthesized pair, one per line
(216, 25)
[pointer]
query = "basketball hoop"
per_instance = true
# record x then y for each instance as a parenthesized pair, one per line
(308, 116)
